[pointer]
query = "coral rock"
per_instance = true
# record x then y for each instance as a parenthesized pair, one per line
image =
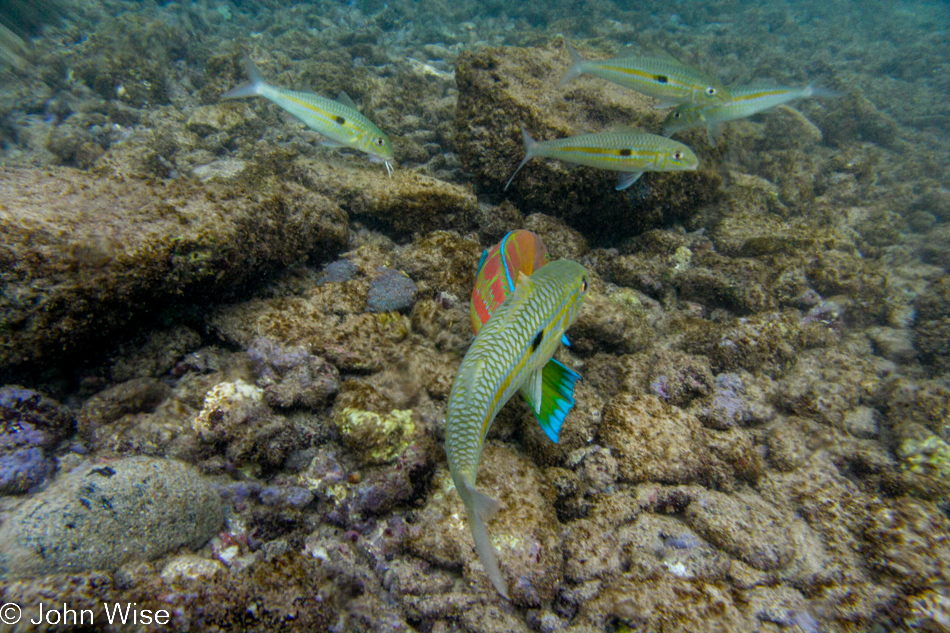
(524, 533)
(81, 271)
(745, 526)
(103, 515)
(653, 441)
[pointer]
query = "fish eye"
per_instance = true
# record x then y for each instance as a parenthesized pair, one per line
(584, 284)
(711, 91)
(380, 141)
(677, 115)
(677, 155)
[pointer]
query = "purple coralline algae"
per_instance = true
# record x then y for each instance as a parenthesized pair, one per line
(390, 291)
(291, 376)
(30, 426)
(293, 496)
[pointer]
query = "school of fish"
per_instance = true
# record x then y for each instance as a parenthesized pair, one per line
(522, 304)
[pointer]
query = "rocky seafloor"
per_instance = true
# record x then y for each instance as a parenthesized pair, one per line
(227, 349)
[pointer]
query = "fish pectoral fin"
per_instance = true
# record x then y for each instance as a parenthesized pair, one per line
(485, 506)
(344, 98)
(556, 398)
(627, 178)
(533, 392)
(713, 131)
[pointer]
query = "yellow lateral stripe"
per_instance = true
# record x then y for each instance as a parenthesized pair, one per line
(326, 114)
(608, 151)
(760, 95)
(503, 387)
(671, 80)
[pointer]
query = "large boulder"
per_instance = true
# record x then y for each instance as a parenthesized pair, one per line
(83, 257)
(101, 516)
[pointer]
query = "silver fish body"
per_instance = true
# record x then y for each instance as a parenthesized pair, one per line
(745, 101)
(667, 79)
(508, 355)
(339, 122)
(630, 153)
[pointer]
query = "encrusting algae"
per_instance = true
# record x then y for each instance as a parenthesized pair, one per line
(759, 441)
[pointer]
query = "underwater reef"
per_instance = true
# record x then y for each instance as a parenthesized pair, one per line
(227, 350)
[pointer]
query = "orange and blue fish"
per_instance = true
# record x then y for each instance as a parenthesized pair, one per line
(518, 253)
(522, 253)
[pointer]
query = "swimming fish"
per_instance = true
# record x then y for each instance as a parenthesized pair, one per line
(630, 153)
(746, 101)
(518, 253)
(339, 122)
(511, 352)
(667, 79)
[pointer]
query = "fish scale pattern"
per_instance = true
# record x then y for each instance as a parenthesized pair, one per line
(503, 356)
(615, 150)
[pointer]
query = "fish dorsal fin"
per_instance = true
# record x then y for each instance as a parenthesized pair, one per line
(344, 98)
(524, 288)
(481, 262)
(667, 57)
(556, 397)
(760, 84)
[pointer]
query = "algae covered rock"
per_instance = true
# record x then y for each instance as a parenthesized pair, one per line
(524, 532)
(745, 526)
(502, 89)
(101, 516)
(932, 327)
(80, 269)
(377, 437)
(653, 441)
(408, 203)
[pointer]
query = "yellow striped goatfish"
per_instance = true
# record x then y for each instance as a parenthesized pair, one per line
(746, 101)
(630, 153)
(339, 122)
(511, 352)
(667, 79)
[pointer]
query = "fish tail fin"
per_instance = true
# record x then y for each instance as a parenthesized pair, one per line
(480, 508)
(813, 91)
(577, 65)
(251, 88)
(530, 149)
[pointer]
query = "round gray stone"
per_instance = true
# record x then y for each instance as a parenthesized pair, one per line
(100, 516)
